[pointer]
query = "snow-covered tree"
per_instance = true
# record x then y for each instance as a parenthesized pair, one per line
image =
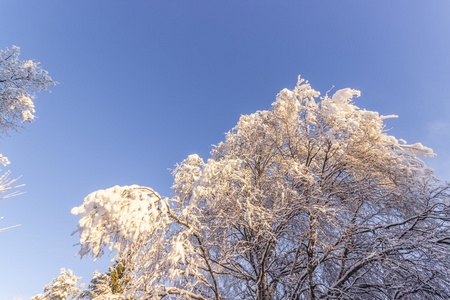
(61, 288)
(312, 199)
(19, 82)
(110, 285)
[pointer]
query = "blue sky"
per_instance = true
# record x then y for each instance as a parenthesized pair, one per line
(146, 83)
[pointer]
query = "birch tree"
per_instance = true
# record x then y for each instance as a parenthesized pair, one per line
(312, 199)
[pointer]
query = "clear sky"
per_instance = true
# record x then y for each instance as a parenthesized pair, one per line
(146, 83)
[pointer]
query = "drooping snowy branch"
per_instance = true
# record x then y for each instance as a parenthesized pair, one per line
(136, 222)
